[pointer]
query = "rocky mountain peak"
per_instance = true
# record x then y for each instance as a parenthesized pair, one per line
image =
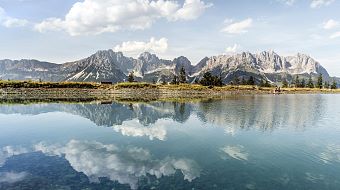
(107, 65)
(148, 57)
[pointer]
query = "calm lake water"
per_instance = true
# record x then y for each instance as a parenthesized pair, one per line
(244, 142)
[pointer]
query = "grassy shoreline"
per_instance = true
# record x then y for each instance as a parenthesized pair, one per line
(90, 90)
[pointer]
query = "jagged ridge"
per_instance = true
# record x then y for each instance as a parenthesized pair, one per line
(113, 66)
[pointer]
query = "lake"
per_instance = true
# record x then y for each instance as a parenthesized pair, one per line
(239, 142)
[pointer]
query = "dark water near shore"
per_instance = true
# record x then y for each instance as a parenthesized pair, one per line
(241, 142)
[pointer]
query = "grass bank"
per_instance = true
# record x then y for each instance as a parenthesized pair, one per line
(74, 89)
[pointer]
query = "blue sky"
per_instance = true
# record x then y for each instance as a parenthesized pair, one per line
(67, 30)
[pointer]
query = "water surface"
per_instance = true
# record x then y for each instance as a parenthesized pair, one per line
(241, 142)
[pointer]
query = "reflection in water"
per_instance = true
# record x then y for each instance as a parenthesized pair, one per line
(236, 152)
(262, 112)
(122, 164)
(9, 151)
(330, 154)
(184, 144)
(12, 177)
(134, 129)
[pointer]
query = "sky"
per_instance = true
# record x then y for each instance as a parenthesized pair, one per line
(67, 30)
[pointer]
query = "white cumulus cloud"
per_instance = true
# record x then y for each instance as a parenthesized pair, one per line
(10, 22)
(133, 48)
(320, 3)
(191, 10)
(233, 49)
(99, 16)
(287, 2)
(238, 27)
(330, 24)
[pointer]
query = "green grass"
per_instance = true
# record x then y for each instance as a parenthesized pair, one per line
(134, 85)
(34, 84)
(144, 85)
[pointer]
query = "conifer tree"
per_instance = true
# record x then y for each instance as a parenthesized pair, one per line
(326, 85)
(182, 76)
(261, 83)
(163, 80)
(243, 81)
(236, 81)
(334, 85)
(303, 83)
(310, 82)
(297, 82)
(175, 80)
(284, 83)
(319, 82)
(131, 77)
(251, 81)
(267, 84)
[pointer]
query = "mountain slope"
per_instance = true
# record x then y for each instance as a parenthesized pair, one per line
(108, 65)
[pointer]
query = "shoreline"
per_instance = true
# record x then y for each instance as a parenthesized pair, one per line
(85, 91)
(149, 92)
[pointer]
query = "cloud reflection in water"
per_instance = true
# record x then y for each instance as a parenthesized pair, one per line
(122, 164)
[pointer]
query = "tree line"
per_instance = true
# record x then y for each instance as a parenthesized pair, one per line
(320, 83)
(208, 79)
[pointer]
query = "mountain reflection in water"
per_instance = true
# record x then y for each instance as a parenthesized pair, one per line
(262, 112)
(239, 142)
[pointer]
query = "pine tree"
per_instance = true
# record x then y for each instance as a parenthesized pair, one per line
(210, 80)
(182, 76)
(267, 84)
(319, 83)
(303, 83)
(326, 85)
(243, 81)
(251, 81)
(310, 82)
(163, 80)
(334, 85)
(236, 81)
(175, 80)
(284, 83)
(131, 77)
(297, 82)
(261, 83)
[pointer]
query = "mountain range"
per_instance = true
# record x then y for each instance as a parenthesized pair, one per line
(107, 65)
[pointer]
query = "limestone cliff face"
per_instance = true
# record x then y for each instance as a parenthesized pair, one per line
(108, 65)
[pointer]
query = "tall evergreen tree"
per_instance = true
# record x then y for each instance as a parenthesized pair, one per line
(284, 83)
(261, 83)
(163, 80)
(319, 82)
(334, 85)
(267, 84)
(297, 82)
(210, 80)
(236, 81)
(243, 81)
(175, 80)
(182, 76)
(327, 85)
(251, 81)
(310, 82)
(303, 83)
(131, 77)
